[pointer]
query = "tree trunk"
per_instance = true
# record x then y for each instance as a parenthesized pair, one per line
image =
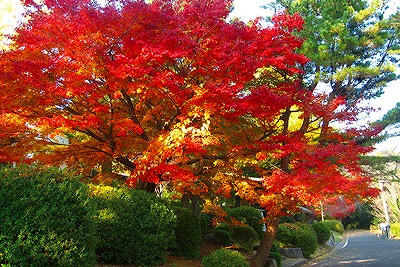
(191, 202)
(260, 259)
(148, 187)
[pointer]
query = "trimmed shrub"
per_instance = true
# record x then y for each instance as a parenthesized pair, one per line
(250, 216)
(225, 258)
(306, 239)
(245, 237)
(45, 219)
(135, 227)
(223, 234)
(222, 237)
(224, 226)
(188, 235)
(284, 235)
(298, 235)
(334, 225)
(323, 232)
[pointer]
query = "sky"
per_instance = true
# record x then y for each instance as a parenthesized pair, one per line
(247, 10)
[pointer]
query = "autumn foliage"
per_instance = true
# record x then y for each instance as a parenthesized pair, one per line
(173, 91)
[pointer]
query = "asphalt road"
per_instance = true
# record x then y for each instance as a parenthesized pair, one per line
(362, 248)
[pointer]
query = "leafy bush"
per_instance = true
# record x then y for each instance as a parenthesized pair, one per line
(225, 258)
(275, 253)
(277, 257)
(250, 216)
(284, 235)
(134, 226)
(45, 219)
(224, 226)
(222, 237)
(206, 225)
(323, 232)
(188, 235)
(245, 237)
(334, 225)
(395, 229)
(275, 248)
(298, 235)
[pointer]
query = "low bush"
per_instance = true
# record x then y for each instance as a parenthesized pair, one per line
(323, 232)
(298, 235)
(250, 216)
(277, 257)
(225, 258)
(275, 253)
(395, 229)
(275, 248)
(206, 224)
(245, 237)
(45, 219)
(334, 225)
(135, 227)
(222, 237)
(224, 226)
(284, 234)
(188, 234)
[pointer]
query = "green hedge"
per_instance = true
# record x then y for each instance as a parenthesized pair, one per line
(45, 219)
(334, 225)
(225, 258)
(135, 227)
(188, 234)
(323, 232)
(298, 235)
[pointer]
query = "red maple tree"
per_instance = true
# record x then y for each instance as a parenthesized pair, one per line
(172, 91)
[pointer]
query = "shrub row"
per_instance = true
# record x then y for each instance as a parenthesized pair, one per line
(49, 218)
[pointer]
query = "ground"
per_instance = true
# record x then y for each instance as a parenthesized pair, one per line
(174, 261)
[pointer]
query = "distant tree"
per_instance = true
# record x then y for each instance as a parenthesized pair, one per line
(385, 168)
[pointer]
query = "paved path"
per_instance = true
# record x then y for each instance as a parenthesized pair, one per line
(362, 248)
